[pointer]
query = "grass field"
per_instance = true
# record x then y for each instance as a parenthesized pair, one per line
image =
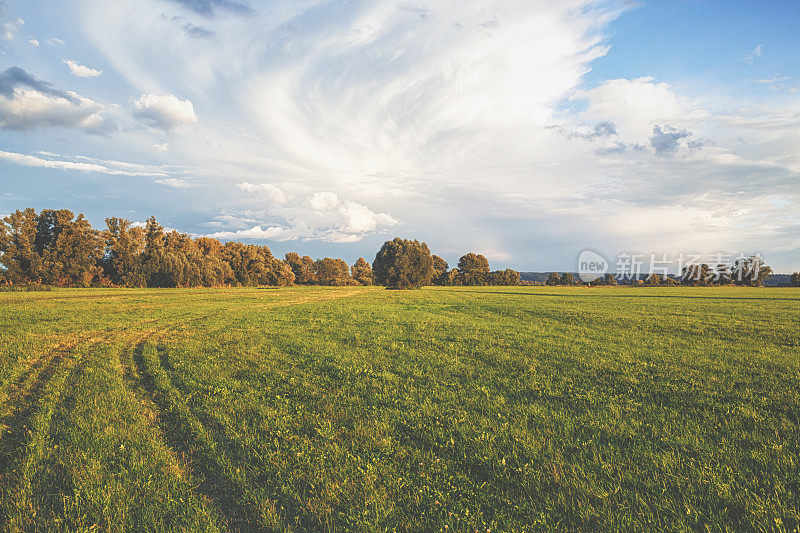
(444, 409)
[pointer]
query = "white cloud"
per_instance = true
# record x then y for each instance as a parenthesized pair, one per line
(323, 201)
(255, 233)
(81, 71)
(28, 108)
(273, 193)
(321, 216)
(440, 116)
(33, 42)
(105, 167)
(167, 112)
(55, 42)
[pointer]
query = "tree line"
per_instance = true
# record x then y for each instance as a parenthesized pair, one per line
(747, 271)
(55, 247)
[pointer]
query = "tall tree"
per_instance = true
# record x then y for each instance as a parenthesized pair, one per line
(361, 272)
(403, 264)
(553, 279)
(72, 250)
(19, 257)
(124, 244)
(795, 279)
(567, 279)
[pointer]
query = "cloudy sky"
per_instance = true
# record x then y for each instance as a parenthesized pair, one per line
(525, 129)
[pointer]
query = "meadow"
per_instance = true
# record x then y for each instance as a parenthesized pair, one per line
(365, 409)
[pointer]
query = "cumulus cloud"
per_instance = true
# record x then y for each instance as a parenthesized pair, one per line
(166, 112)
(33, 42)
(271, 192)
(27, 102)
(323, 201)
(81, 71)
(665, 140)
(320, 216)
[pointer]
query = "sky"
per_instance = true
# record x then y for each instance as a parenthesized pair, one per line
(525, 130)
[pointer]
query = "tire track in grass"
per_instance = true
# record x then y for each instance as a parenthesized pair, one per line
(232, 447)
(185, 435)
(24, 402)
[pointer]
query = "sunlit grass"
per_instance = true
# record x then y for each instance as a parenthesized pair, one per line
(366, 409)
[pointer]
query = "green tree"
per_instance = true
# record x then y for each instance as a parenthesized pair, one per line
(610, 279)
(403, 264)
(19, 257)
(362, 272)
(567, 279)
(652, 280)
(505, 277)
(302, 267)
(474, 269)
(696, 275)
(123, 246)
(553, 279)
(751, 272)
(795, 279)
(332, 272)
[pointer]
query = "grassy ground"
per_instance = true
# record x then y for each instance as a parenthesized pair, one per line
(447, 409)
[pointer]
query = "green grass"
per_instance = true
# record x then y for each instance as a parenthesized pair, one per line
(452, 409)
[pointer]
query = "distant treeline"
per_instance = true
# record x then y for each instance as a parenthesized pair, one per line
(749, 271)
(56, 248)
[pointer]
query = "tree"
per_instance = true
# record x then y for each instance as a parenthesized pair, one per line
(332, 272)
(504, 277)
(361, 272)
(652, 280)
(123, 246)
(19, 257)
(567, 279)
(254, 265)
(610, 279)
(795, 279)
(302, 267)
(751, 272)
(403, 264)
(474, 269)
(72, 249)
(553, 279)
(721, 275)
(696, 275)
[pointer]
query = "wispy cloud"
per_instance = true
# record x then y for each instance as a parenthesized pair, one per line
(755, 54)
(54, 161)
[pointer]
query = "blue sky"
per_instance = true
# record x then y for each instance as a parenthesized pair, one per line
(527, 130)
